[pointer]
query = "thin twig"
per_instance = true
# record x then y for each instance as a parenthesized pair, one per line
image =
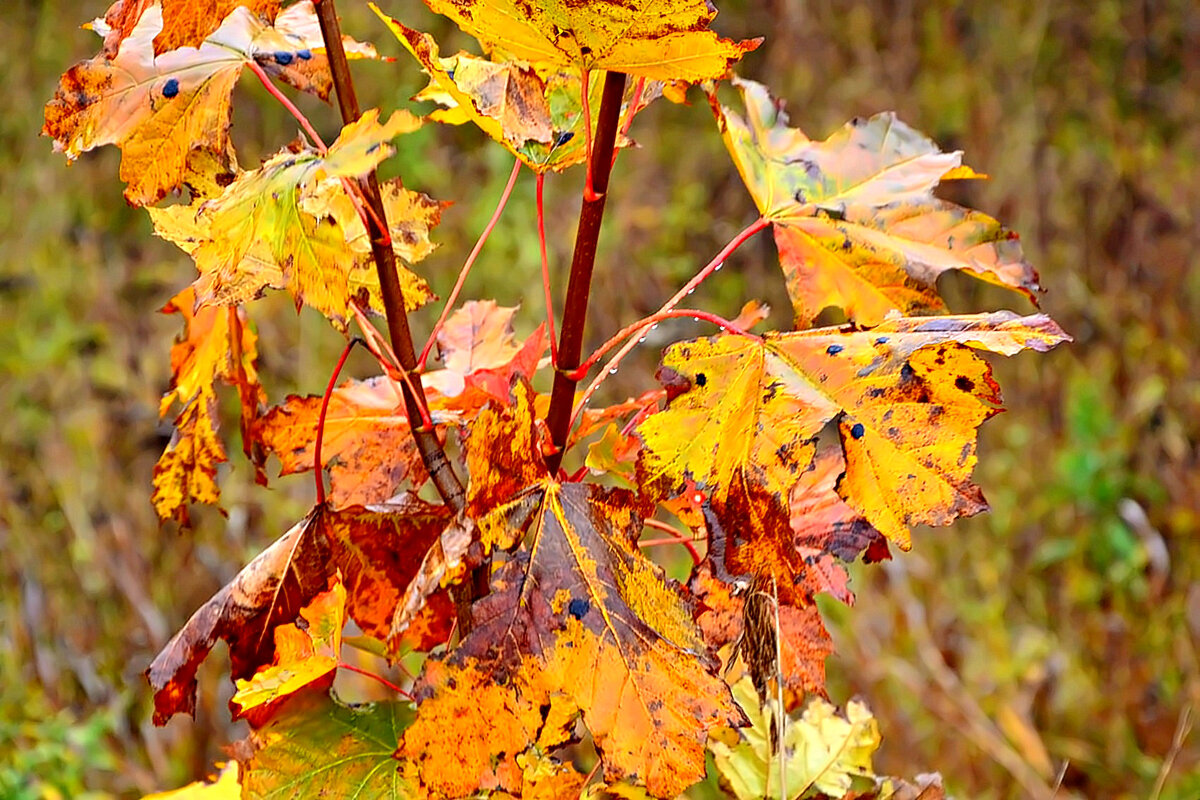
(711, 267)
(317, 470)
(1182, 728)
(380, 678)
(470, 262)
(289, 105)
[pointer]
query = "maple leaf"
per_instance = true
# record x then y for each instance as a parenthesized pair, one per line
(276, 227)
(368, 546)
(268, 592)
(579, 600)
(159, 108)
(907, 395)
(217, 345)
(367, 447)
(650, 38)
(536, 113)
(324, 750)
(855, 218)
(186, 23)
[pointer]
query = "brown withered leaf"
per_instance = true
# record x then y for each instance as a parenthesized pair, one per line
(821, 520)
(268, 592)
(376, 549)
(579, 599)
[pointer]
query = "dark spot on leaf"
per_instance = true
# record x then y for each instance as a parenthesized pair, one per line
(283, 58)
(563, 138)
(585, 50)
(875, 391)
(887, 415)
(893, 432)
(881, 340)
(304, 55)
(701, 379)
(858, 430)
(170, 88)
(964, 383)
(834, 349)
(578, 607)
(907, 373)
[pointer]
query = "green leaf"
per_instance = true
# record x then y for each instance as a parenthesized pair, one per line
(329, 751)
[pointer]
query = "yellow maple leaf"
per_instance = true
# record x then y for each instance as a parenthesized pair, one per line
(908, 396)
(664, 40)
(855, 218)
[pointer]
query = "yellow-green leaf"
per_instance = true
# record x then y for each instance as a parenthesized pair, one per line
(855, 218)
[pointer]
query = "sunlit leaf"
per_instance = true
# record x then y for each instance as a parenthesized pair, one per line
(302, 655)
(821, 750)
(278, 227)
(908, 397)
(224, 787)
(580, 600)
(649, 38)
(855, 218)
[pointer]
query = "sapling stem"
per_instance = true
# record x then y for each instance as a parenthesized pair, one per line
(438, 465)
(591, 215)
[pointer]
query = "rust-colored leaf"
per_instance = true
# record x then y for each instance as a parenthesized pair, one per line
(186, 23)
(217, 345)
(376, 549)
(368, 446)
(855, 218)
(661, 41)
(267, 593)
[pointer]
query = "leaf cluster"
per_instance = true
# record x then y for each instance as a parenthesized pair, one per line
(773, 458)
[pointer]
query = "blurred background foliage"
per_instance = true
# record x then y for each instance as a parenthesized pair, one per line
(1054, 639)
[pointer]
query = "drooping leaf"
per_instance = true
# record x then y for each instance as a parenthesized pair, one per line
(821, 750)
(647, 38)
(217, 345)
(579, 600)
(855, 218)
(159, 108)
(368, 446)
(302, 655)
(268, 592)
(278, 227)
(329, 751)
(375, 548)
(907, 395)
(224, 787)
(536, 113)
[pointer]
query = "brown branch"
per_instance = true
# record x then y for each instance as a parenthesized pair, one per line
(591, 214)
(440, 469)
